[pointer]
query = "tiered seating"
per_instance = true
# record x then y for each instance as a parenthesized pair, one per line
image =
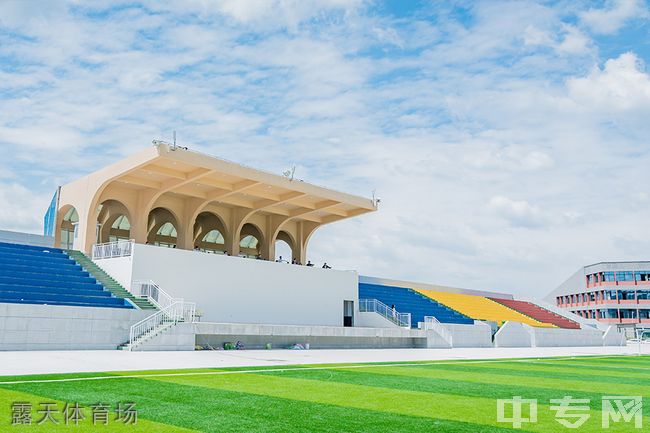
(37, 275)
(408, 301)
(538, 313)
(480, 308)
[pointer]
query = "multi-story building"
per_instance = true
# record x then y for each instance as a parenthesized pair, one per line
(610, 292)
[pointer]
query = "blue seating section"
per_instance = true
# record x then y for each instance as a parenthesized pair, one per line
(409, 301)
(38, 275)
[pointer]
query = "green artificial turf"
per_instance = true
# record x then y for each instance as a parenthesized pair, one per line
(410, 397)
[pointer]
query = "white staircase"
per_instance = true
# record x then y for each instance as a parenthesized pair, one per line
(171, 311)
(433, 324)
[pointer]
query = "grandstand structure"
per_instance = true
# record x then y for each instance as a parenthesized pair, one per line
(175, 250)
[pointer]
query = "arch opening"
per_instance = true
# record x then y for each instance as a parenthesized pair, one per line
(113, 222)
(162, 227)
(284, 248)
(210, 233)
(69, 228)
(250, 241)
(120, 229)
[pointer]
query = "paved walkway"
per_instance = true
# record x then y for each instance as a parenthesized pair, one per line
(22, 363)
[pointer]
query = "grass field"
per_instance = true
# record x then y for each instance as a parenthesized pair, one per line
(411, 397)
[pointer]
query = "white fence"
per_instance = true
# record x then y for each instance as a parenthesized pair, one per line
(376, 306)
(113, 249)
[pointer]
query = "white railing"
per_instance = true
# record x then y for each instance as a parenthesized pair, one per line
(153, 293)
(433, 324)
(170, 311)
(177, 312)
(376, 306)
(113, 249)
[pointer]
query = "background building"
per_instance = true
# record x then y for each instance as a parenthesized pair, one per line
(609, 292)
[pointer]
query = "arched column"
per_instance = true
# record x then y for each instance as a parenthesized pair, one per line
(191, 208)
(305, 230)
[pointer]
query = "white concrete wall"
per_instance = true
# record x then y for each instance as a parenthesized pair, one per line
(557, 337)
(373, 320)
(26, 238)
(513, 334)
(120, 268)
(50, 327)
(614, 337)
(318, 337)
(477, 335)
(237, 290)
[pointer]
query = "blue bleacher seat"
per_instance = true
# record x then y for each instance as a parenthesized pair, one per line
(409, 301)
(38, 275)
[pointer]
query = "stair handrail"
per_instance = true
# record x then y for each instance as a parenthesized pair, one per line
(152, 292)
(110, 250)
(172, 314)
(431, 323)
(170, 310)
(376, 306)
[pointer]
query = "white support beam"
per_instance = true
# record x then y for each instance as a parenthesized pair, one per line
(129, 179)
(152, 168)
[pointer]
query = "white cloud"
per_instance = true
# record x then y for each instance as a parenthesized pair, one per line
(574, 41)
(518, 212)
(614, 15)
(621, 85)
(26, 210)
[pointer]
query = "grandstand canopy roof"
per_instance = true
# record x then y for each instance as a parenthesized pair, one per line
(195, 175)
(187, 182)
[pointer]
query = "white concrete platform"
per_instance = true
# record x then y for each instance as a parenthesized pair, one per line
(23, 363)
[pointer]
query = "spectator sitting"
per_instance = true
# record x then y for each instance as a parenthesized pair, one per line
(310, 264)
(326, 266)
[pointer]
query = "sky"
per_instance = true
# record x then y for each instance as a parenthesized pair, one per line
(507, 140)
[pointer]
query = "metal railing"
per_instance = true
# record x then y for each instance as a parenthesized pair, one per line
(178, 311)
(376, 306)
(433, 324)
(153, 293)
(170, 311)
(113, 249)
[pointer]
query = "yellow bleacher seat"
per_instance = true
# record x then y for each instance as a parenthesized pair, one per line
(480, 308)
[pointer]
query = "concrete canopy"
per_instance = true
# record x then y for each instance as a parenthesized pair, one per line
(167, 184)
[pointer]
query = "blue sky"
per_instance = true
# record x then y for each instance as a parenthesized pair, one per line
(508, 140)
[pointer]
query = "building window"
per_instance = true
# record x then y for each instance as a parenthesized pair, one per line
(609, 276)
(625, 276)
(642, 276)
(628, 314)
(626, 295)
